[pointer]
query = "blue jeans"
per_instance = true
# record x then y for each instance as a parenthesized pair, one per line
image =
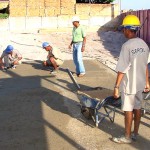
(77, 58)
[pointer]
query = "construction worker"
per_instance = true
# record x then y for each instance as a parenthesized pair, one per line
(10, 58)
(54, 58)
(132, 77)
(78, 42)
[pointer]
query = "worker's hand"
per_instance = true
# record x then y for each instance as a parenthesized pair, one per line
(44, 63)
(15, 62)
(4, 69)
(70, 46)
(147, 88)
(83, 48)
(116, 93)
(19, 58)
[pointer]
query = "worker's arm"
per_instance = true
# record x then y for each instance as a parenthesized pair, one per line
(1, 63)
(147, 86)
(18, 55)
(19, 58)
(83, 44)
(120, 76)
(16, 62)
(70, 45)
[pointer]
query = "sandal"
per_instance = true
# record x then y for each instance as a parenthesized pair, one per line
(122, 140)
(134, 136)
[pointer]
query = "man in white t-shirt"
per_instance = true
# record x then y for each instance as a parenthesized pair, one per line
(132, 77)
(10, 58)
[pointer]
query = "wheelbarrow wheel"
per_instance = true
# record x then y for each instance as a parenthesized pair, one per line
(87, 112)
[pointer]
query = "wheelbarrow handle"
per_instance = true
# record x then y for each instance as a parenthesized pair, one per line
(147, 95)
(73, 79)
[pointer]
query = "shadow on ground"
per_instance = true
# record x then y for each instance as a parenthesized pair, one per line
(35, 112)
(23, 124)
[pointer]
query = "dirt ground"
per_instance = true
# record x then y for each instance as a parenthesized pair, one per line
(103, 46)
(39, 111)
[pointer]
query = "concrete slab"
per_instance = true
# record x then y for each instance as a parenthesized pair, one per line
(41, 112)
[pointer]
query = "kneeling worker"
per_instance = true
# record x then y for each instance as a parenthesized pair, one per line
(10, 58)
(54, 58)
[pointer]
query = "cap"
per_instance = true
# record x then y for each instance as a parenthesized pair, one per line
(9, 48)
(45, 44)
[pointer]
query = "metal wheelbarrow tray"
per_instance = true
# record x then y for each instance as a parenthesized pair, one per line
(97, 104)
(146, 103)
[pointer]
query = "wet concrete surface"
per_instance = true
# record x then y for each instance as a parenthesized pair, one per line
(39, 111)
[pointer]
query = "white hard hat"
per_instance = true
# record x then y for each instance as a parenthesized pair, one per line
(75, 18)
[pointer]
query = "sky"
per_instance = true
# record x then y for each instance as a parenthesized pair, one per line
(134, 4)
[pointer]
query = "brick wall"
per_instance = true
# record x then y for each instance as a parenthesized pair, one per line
(32, 8)
(68, 7)
(38, 8)
(96, 9)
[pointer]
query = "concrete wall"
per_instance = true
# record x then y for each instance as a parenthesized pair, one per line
(56, 22)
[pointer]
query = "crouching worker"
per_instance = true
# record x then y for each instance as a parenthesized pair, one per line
(10, 58)
(54, 58)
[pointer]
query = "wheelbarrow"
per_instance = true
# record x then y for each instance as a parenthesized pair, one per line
(96, 103)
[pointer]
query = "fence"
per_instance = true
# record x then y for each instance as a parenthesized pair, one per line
(144, 16)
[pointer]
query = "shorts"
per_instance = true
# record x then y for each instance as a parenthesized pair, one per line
(59, 62)
(131, 101)
(9, 62)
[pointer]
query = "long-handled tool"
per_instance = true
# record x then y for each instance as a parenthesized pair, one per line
(73, 79)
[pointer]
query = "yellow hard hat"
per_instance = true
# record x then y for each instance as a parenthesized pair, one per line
(131, 20)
